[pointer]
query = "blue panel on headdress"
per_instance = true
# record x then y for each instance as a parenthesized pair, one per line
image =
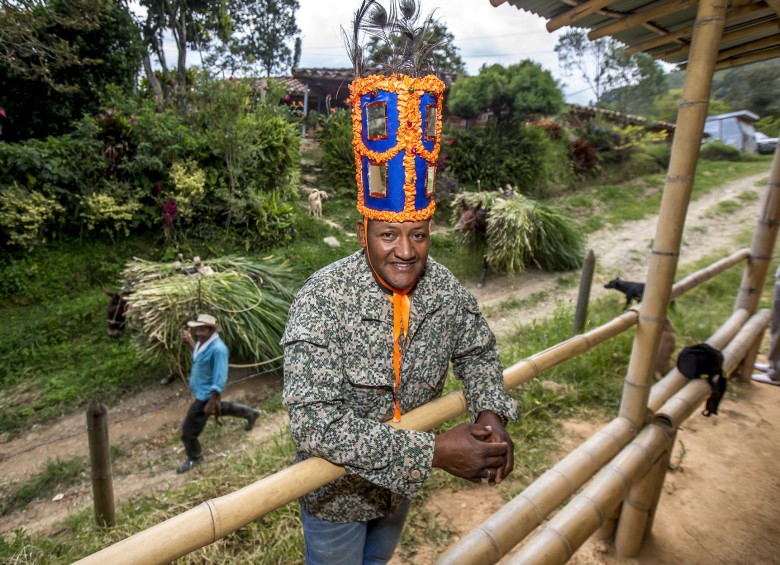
(391, 98)
(425, 101)
(421, 168)
(395, 199)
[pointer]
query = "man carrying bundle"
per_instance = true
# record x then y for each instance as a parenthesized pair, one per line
(370, 337)
(208, 377)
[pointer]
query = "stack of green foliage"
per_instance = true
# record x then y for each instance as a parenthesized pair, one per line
(248, 297)
(522, 231)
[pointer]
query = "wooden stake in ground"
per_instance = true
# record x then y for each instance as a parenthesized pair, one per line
(100, 462)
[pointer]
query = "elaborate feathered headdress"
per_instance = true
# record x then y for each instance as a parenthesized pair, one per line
(396, 115)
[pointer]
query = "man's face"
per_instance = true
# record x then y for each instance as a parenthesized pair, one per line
(398, 251)
(202, 333)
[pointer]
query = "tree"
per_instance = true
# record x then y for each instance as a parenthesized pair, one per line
(522, 91)
(262, 30)
(751, 87)
(637, 82)
(588, 58)
(625, 80)
(192, 23)
(56, 59)
(444, 57)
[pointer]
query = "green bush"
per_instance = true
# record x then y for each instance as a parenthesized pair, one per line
(517, 154)
(661, 153)
(719, 151)
(224, 158)
(338, 160)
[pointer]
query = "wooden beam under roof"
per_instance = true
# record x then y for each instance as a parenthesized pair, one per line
(639, 18)
(747, 59)
(677, 36)
(771, 26)
(752, 47)
(775, 5)
(577, 13)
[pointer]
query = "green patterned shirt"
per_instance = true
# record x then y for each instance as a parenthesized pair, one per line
(339, 380)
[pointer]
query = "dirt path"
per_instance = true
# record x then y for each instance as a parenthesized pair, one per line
(720, 508)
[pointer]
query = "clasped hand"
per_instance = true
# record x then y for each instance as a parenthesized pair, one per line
(477, 451)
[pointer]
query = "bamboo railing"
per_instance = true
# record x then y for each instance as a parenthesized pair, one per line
(506, 528)
(557, 541)
(218, 517)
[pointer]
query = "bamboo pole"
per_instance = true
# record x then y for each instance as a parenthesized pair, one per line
(583, 297)
(771, 41)
(708, 30)
(746, 368)
(639, 18)
(503, 530)
(575, 14)
(748, 59)
(736, 35)
(567, 531)
(674, 207)
(638, 504)
(264, 496)
(674, 380)
(676, 37)
(100, 463)
(218, 517)
(657, 488)
(763, 244)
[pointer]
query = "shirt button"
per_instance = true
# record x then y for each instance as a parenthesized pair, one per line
(416, 474)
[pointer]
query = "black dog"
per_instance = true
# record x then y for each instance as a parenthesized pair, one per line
(632, 290)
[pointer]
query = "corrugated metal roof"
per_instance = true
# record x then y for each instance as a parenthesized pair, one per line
(663, 29)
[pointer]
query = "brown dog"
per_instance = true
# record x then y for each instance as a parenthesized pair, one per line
(315, 198)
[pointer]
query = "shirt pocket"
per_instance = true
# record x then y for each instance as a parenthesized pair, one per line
(368, 371)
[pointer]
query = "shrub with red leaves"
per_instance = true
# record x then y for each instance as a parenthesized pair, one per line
(584, 156)
(551, 127)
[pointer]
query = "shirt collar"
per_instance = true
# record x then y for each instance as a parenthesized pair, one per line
(201, 347)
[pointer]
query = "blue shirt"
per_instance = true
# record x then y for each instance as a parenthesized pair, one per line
(209, 370)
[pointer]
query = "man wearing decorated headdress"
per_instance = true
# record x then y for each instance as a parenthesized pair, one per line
(370, 337)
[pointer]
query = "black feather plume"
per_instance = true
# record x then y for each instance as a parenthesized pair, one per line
(410, 41)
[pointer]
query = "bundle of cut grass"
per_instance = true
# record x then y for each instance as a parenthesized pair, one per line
(522, 231)
(249, 298)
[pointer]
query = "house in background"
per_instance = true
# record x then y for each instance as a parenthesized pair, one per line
(735, 129)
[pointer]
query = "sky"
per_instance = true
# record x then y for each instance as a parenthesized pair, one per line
(483, 35)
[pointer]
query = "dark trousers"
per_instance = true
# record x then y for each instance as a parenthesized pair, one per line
(196, 420)
(193, 425)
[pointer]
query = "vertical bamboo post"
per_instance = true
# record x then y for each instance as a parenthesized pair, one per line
(674, 206)
(100, 463)
(661, 477)
(763, 242)
(586, 281)
(639, 504)
(745, 370)
(691, 116)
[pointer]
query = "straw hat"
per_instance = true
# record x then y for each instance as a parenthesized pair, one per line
(203, 320)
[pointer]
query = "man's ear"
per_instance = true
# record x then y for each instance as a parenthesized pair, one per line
(361, 234)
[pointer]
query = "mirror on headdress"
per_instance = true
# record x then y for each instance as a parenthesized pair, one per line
(430, 122)
(430, 181)
(377, 180)
(376, 119)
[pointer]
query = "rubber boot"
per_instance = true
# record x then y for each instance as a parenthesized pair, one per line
(240, 411)
(194, 456)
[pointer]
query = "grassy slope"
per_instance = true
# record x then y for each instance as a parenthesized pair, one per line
(60, 355)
